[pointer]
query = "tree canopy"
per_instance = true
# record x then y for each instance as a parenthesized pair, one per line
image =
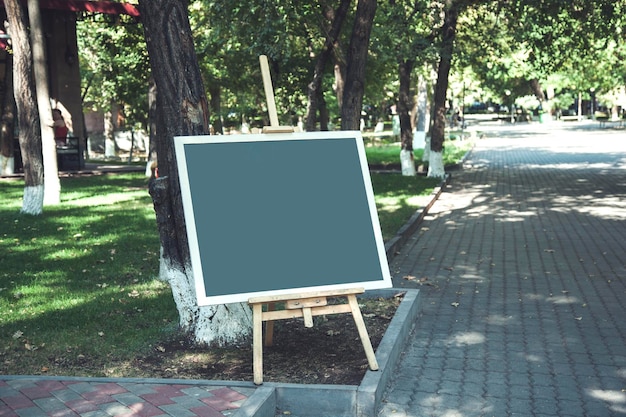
(501, 47)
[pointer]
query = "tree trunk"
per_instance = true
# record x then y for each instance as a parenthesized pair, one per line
(182, 109)
(110, 116)
(355, 72)
(324, 114)
(26, 105)
(215, 93)
(7, 151)
(340, 83)
(435, 166)
(52, 184)
(314, 87)
(535, 87)
(151, 165)
(405, 103)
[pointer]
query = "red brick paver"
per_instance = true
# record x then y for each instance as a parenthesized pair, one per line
(118, 398)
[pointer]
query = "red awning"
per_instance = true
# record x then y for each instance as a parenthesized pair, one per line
(95, 6)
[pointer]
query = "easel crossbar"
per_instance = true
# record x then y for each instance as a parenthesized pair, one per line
(296, 313)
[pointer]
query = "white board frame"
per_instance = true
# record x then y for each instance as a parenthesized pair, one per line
(383, 279)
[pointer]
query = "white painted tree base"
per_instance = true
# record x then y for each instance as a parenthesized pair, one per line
(33, 200)
(407, 163)
(216, 325)
(426, 154)
(109, 148)
(7, 165)
(435, 165)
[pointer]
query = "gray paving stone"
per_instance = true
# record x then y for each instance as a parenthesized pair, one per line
(544, 297)
(177, 410)
(49, 404)
(31, 412)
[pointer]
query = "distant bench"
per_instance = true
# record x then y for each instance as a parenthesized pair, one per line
(604, 119)
(70, 156)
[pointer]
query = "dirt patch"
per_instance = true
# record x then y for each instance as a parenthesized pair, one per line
(328, 353)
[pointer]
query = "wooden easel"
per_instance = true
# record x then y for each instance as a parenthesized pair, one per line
(307, 306)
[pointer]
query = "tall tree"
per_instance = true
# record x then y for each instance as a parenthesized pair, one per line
(52, 185)
(405, 104)
(7, 122)
(182, 110)
(448, 33)
(315, 95)
(355, 71)
(27, 114)
(406, 27)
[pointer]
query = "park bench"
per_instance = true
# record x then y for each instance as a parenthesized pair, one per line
(604, 120)
(70, 156)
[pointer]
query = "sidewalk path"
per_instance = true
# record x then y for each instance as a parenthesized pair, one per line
(522, 267)
(90, 397)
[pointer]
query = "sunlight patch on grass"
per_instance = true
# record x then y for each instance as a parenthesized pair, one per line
(388, 204)
(108, 199)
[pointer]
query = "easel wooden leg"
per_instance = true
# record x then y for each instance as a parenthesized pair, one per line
(365, 339)
(257, 343)
(269, 327)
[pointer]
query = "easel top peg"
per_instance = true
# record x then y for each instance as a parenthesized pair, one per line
(274, 126)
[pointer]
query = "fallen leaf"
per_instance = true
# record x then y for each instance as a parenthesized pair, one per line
(30, 347)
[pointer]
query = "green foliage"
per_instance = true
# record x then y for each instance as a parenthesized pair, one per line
(500, 46)
(114, 66)
(567, 46)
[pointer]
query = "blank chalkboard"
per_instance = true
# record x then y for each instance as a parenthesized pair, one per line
(279, 213)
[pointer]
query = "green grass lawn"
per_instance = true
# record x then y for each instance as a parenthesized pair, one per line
(78, 284)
